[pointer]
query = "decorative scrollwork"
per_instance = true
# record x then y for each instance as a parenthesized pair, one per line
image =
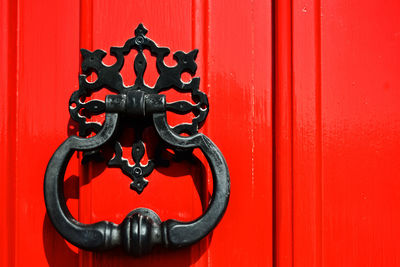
(109, 77)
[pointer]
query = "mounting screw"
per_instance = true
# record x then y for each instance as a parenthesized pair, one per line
(137, 171)
(139, 40)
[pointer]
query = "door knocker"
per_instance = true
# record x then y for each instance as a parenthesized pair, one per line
(140, 106)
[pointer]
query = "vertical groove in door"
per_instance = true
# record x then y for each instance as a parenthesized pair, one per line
(283, 135)
(85, 200)
(318, 111)
(86, 24)
(8, 140)
(12, 98)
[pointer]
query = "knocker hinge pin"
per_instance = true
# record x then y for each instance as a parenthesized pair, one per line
(136, 104)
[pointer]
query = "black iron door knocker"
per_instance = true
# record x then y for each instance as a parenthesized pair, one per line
(140, 106)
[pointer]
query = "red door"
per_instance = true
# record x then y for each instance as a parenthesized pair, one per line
(41, 61)
(303, 105)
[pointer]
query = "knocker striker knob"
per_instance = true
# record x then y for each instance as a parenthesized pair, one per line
(140, 231)
(138, 106)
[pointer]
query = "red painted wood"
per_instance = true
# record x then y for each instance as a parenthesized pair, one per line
(346, 133)
(8, 75)
(328, 135)
(40, 62)
(240, 122)
(108, 196)
(47, 58)
(39, 56)
(239, 88)
(307, 180)
(360, 135)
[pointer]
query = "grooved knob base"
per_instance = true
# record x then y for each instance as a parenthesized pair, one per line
(140, 231)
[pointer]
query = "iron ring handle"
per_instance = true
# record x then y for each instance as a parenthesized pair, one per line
(180, 233)
(142, 228)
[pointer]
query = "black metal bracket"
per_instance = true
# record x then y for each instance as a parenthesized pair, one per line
(138, 106)
(109, 77)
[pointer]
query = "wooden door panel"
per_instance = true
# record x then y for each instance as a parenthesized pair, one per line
(40, 67)
(239, 79)
(46, 60)
(361, 134)
(333, 124)
(236, 93)
(345, 136)
(40, 56)
(171, 191)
